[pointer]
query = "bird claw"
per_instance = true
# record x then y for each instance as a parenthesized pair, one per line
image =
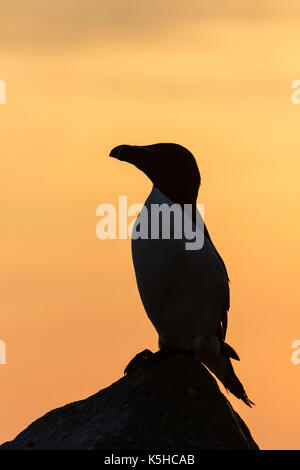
(147, 358)
(138, 361)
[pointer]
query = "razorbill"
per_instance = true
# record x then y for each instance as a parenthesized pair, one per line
(185, 292)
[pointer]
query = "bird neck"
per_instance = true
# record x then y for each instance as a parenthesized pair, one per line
(186, 200)
(178, 195)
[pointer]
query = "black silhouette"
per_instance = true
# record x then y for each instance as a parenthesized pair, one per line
(185, 293)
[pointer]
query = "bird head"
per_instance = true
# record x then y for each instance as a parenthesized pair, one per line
(171, 168)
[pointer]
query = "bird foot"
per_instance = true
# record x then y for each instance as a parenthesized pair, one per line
(147, 358)
(141, 359)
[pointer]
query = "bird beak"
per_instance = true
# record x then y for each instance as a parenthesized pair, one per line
(128, 153)
(120, 152)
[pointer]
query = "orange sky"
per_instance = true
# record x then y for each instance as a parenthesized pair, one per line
(83, 77)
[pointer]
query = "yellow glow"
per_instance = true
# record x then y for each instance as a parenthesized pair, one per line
(218, 83)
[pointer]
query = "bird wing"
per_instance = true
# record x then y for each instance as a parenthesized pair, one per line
(222, 329)
(227, 350)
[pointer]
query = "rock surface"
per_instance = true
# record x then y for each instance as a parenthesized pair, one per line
(172, 404)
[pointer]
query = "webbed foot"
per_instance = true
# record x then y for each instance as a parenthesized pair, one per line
(141, 359)
(147, 358)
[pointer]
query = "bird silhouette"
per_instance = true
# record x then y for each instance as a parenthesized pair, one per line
(185, 292)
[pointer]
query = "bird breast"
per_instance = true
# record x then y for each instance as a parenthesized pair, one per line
(183, 291)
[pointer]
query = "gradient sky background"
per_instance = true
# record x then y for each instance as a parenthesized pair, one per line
(84, 76)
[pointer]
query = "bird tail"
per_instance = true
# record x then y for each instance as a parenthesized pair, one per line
(223, 370)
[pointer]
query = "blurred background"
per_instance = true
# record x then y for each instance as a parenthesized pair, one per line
(84, 76)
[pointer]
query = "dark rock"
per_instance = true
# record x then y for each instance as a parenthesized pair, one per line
(173, 404)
